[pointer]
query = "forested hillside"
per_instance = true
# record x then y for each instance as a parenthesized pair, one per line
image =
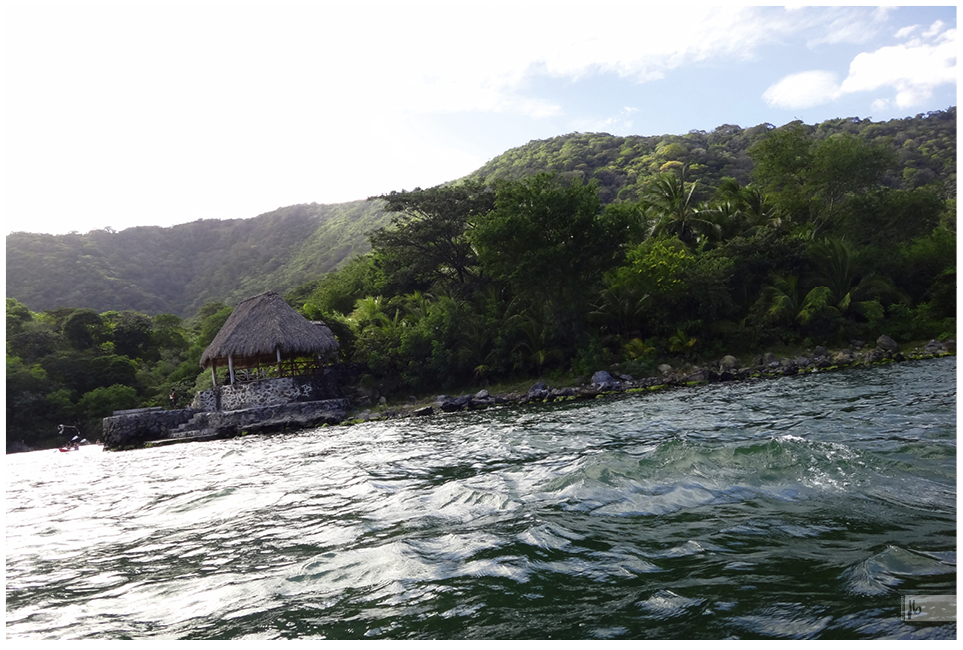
(925, 147)
(177, 270)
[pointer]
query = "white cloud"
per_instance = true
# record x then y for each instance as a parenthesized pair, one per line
(912, 69)
(847, 25)
(934, 29)
(906, 31)
(803, 90)
(880, 105)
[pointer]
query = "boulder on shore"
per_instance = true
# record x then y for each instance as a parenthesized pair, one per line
(844, 356)
(538, 392)
(935, 347)
(886, 343)
(455, 404)
(728, 362)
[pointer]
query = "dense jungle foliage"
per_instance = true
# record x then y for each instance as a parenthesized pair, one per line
(790, 236)
(557, 259)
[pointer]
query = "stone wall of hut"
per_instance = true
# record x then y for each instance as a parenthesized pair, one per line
(267, 392)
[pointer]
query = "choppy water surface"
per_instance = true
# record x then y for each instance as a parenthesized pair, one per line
(792, 508)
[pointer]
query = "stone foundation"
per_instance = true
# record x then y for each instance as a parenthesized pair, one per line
(267, 392)
(265, 419)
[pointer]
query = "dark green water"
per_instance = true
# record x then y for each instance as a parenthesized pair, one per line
(793, 508)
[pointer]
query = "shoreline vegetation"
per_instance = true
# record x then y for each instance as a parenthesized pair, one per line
(569, 256)
(606, 383)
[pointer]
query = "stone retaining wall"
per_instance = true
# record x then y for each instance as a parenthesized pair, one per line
(134, 429)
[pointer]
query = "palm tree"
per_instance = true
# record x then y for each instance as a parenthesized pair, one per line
(784, 302)
(669, 198)
(835, 271)
(743, 210)
(618, 309)
(534, 342)
(369, 311)
(758, 210)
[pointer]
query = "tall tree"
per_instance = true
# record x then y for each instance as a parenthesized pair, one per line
(426, 243)
(547, 241)
(810, 180)
(782, 162)
(844, 165)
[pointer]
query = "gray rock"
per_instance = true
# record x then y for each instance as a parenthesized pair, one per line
(729, 362)
(665, 368)
(602, 377)
(538, 392)
(886, 343)
(422, 412)
(844, 356)
(456, 404)
(820, 351)
(950, 346)
(698, 375)
(482, 394)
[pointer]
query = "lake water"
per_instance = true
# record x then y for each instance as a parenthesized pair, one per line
(800, 507)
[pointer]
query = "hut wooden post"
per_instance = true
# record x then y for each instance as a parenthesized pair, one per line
(214, 374)
(230, 365)
(279, 362)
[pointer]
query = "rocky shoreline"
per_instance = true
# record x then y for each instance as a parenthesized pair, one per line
(727, 369)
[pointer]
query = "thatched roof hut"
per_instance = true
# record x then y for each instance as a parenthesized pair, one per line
(265, 330)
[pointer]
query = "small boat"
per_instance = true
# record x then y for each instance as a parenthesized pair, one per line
(75, 442)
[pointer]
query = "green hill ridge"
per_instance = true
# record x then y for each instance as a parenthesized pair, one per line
(180, 268)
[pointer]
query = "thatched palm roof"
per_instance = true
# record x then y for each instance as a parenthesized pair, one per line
(259, 327)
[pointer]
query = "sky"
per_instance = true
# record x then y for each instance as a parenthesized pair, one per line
(136, 113)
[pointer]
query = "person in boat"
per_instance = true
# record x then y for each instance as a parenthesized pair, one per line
(75, 441)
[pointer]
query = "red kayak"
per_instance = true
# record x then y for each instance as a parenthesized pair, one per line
(70, 449)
